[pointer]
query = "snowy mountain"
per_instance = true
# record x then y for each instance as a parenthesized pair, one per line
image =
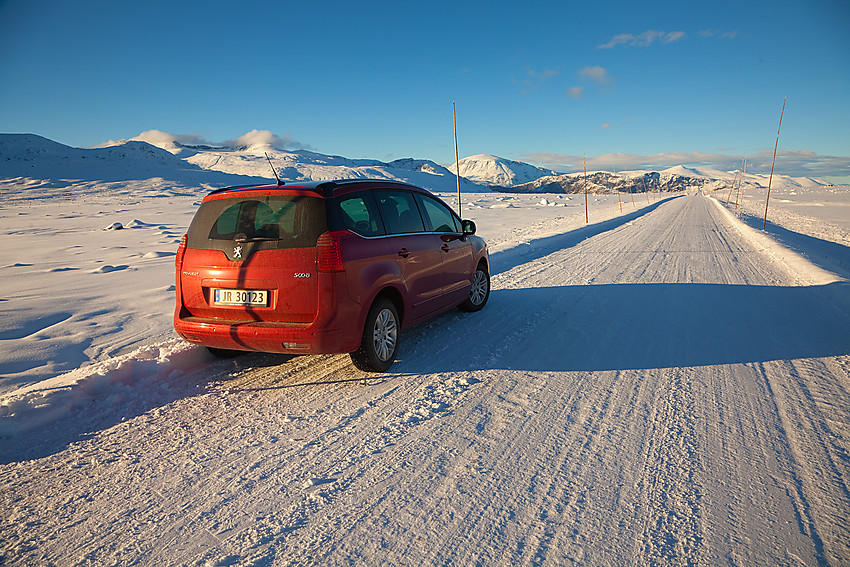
(677, 178)
(32, 156)
(493, 170)
(190, 160)
(604, 182)
(505, 175)
(246, 156)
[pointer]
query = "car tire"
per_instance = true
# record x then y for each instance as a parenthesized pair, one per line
(379, 345)
(480, 292)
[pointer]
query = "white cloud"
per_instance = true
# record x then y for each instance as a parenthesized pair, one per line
(160, 139)
(723, 35)
(644, 39)
(163, 139)
(173, 142)
(544, 75)
(261, 138)
(596, 74)
(534, 79)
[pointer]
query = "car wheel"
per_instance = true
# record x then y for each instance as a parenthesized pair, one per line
(224, 353)
(480, 291)
(380, 338)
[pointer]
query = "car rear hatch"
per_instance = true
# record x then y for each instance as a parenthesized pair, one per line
(251, 256)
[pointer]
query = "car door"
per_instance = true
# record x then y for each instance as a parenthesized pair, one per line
(417, 253)
(457, 254)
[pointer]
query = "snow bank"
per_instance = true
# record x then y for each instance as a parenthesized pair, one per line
(806, 272)
(812, 223)
(146, 371)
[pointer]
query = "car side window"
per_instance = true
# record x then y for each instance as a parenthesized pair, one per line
(439, 217)
(358, 213)
(399, 212)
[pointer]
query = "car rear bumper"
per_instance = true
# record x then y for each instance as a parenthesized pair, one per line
(292, 338)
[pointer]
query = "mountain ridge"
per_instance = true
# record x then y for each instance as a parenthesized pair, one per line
(186, 159)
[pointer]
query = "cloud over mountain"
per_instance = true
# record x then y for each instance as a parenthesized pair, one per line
(262, 138)
(176, 143)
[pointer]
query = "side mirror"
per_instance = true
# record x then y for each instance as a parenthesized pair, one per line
(468, 227)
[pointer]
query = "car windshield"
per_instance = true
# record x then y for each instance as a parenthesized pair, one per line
(280, 221)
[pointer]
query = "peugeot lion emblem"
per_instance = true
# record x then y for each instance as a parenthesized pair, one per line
(237, 252)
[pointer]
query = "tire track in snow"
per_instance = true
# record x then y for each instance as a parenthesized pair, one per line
(819, 464)
(670, 494)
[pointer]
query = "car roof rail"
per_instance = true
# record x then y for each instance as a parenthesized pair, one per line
(231, 187)
(328, 187)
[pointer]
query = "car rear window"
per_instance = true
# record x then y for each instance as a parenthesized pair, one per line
(268, 222)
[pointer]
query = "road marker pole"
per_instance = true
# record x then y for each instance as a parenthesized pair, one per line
(770, 179)
(457, 161)
(739, 200)
(732, 187)
(619, 202)
(586, 213)
(740, 182)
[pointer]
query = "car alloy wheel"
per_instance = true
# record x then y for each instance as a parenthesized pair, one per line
(480, 291)
(385, 334)
(380, 338)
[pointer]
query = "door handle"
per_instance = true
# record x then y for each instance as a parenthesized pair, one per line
(404, 252)
(445, 248)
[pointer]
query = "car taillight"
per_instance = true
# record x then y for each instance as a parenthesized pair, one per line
(329, 251)
(178, 259)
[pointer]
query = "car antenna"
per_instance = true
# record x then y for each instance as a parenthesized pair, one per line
(279, 182)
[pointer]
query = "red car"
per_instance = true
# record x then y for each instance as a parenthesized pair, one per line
(325, 267)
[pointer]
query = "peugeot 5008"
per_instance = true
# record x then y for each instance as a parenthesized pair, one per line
(328, 267)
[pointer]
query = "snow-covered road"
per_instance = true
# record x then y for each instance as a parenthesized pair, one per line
(656, 389)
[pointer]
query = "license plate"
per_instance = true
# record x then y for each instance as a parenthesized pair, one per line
(243, 297)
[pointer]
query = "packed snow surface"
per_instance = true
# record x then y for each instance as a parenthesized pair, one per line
(666, 385)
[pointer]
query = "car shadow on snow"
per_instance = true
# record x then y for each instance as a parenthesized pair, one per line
(636, 326)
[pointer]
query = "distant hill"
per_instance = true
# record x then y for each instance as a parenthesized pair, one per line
(31, 156)
(605, 182)
(493, 170)
(678, 178)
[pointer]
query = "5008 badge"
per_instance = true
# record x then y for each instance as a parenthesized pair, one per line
(302, 275)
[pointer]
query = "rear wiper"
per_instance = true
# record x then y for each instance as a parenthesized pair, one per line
(255, 239)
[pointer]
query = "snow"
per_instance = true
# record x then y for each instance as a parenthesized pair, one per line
(492, 170)
(667, 385)
(684, 171)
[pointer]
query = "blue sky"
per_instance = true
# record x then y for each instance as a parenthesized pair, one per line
(628, 85)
